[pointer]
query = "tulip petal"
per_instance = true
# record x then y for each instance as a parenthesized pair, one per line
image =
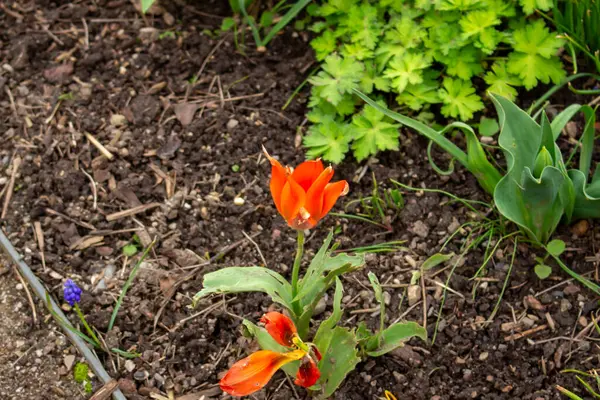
(280, 327)
(293, 198)
(307, 172)
(314, 195)
(308, 373)
(278, 180)
(331, 193)
(254, 372)
(317, 353)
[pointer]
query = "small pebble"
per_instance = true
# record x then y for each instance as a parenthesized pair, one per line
(239, 201)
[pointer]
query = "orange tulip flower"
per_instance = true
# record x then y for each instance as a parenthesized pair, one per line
(254, 372)
(303, 196)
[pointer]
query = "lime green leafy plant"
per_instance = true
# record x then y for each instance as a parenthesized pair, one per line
(423, 53)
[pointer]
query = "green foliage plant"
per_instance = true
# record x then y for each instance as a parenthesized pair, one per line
(267, 23)
(429, 55)
(342, 347)
(537, 191)
(579, 23)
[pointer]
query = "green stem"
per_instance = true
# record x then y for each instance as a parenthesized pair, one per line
(89, 330)
(296, 268)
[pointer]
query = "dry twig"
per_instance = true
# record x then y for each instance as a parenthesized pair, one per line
(11, 185)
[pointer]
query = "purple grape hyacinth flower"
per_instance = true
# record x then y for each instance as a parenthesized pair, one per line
(71, 292)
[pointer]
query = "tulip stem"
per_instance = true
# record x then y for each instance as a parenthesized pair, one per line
(297, 262)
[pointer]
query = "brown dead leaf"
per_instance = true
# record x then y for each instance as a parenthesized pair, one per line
(166, 282)
(59, 73)
(533, 303)
(185, 112)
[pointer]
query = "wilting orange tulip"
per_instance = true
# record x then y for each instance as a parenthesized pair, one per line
(304, 195)
(254, 372)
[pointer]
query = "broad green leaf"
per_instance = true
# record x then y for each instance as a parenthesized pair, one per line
(535, 56)
(266, 342)
(321, 266)
(501, 81)
(556, 247)
(587, 196)
(406, 69)
(247, 279)
(339, 359)
(535, 203)
(146, 4)
(542, 271)
(436, 260)
(339, 76)
(395, 335)
(130, 250)
(488, 126)
(329, 139)
(372, 133)
(460, 99)
(325, 331)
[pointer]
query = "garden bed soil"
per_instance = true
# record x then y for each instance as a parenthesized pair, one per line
(185, 114)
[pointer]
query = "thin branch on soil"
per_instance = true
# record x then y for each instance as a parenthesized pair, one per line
(94, 188)
(11, 185)
(560, 284)
(87, 34)
(105, 232)
(523, 334)
(292, 386)
(12, 102)
(131, 211)
(39, 237)
(536, 342)
(105, 391)
(213, 103)
(257, 248)
(207, 59)
(193, 272)
(99, 146)
(207, 310)
(448, 288)
(28, 293)
(424, 295)
(52, 35)
(73, 220)
(408, 310)
(365, 310)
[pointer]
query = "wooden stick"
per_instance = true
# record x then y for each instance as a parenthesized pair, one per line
(29, 298)
(131, 211)
(39, 235)
(105, 391)
(99, 146)
(11, 185)
(528, 332)
(73, 220)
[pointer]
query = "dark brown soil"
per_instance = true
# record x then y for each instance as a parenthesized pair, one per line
(72, 68)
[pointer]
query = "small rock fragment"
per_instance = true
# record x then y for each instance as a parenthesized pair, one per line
(580, 228)
(421, 229)
(414, 294)
(232, 124)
